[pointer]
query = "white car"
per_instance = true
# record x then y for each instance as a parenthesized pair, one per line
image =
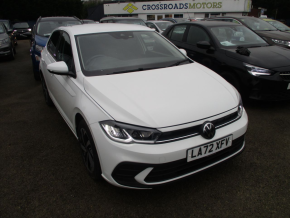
(144, 113)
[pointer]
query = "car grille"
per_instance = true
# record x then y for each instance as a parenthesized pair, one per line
(195, 130)
(125, 172)
(285, 75)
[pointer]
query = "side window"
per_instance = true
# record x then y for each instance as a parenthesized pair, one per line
(151, 25)
(65, 52)
(177, 32)
(196, 34)
(52, 43)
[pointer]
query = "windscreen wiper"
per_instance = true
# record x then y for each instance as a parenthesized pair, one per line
(134, 70)
(179, 62)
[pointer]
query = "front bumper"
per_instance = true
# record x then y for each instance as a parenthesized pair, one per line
(270, 90)
(145, 166)
(5, 51)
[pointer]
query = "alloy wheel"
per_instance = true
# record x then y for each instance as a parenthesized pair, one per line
(87, 150)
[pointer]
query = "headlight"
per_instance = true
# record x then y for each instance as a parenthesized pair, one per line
(240, 106)
(126, 133)
(281, 42)
(5, 41)
(258, 71)
(38, 48)
(29, 30)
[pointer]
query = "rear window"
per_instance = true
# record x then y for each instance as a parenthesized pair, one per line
(45, 28)
(21, 25)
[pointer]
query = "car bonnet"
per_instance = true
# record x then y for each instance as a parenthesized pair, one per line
(162, 97)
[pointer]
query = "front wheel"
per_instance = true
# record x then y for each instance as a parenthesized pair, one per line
(47, 98)
(88, 151)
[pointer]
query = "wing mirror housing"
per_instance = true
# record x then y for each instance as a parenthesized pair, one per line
(203, 44)
(59, 68)
(183, 51)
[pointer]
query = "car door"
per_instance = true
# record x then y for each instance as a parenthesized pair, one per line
(206, 57)
(63, 88)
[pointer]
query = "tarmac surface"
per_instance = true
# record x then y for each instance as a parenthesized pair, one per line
(42, 174)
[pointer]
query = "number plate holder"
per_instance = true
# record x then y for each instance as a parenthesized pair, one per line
(209, 148)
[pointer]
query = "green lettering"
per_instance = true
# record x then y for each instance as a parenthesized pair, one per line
(219, 4)
(210, 5)
(214, 5)
(203, 4)
(198, 5)
(191, 6)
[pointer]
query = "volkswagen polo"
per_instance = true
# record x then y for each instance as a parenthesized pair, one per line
(144, 113)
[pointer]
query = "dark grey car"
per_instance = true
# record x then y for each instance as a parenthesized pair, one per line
(7, 48)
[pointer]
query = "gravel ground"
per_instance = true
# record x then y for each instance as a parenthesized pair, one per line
(42, 175)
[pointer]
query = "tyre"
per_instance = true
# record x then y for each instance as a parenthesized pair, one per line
(47, 98)
(12, 55)
(88, 151)
(36, 75)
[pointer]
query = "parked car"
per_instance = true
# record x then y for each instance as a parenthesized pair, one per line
(176, 20)
(143, 116)
(277, 24)
(262, 28)
(7, 48)
(12, 33)
(127, 20)
(87, 21)
(257, 69)
(22, 30)
(158, 25)
(41, 32)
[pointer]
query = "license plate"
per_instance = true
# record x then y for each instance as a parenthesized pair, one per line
(288, 86)
(209, 149)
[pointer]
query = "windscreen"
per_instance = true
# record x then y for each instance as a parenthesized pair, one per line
(237, 36)
(115, 52)
(279, 25)
(21, 25)
(131, 21)
(163, 25)
(46, 27)
(2, 29)
(6, 23)
(257, 24)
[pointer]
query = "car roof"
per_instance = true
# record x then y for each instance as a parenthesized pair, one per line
(237, 17)
(57, 18)
(120, 18)
(268, 19)
(211, 23)
(158, 21)
(102, 28)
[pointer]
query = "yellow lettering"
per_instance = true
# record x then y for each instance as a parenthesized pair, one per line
(209, 5)
(203, 4)
(214, 5)
(198, 5)
(219, 4)
(191, 6)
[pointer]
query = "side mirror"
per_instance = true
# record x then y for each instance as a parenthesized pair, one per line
(59, 68)
(10, 31)
(183, 51)
(203, 44)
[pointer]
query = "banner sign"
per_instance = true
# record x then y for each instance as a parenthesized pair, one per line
(178, 6)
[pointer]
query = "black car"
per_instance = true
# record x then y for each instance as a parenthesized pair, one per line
(257, 69)
(262, 28)
(22, 30)
(7, 48)
(9, 27)
(127, 20)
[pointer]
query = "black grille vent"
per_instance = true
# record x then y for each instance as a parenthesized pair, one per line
(194, 130)
(285, 75)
